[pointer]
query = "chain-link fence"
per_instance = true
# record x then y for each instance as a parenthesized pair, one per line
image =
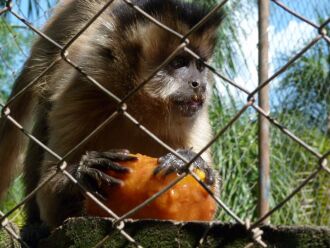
(299, 128)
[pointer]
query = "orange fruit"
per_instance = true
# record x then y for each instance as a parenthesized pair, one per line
(186, 201)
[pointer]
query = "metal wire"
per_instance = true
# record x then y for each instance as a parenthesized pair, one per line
(119, 221)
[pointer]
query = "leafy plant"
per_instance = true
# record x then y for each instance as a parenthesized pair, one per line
(33, 6)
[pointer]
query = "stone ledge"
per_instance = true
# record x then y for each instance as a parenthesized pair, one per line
(87, 232)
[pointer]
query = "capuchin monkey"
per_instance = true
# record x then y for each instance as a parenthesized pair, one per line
(119, 50)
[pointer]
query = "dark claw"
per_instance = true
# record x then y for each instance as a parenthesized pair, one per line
(170, 163)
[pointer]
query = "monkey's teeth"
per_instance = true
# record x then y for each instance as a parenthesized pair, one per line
(195, 104)
(189, 108)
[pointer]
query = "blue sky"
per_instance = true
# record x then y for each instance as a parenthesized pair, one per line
(287, 33)
(21, 7)
(308, 8)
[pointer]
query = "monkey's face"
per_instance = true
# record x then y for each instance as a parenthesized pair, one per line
(182, 84)
(189, 90)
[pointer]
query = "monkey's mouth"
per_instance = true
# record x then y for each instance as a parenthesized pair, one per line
(189, 106)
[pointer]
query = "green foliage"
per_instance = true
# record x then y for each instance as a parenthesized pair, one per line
(14, 196)
(291, 164)
(303, 109)
(3, 96)
(235, 156)
(33, 6)
(306, 86)
(13, 43)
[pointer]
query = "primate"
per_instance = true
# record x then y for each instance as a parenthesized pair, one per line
(119, 50)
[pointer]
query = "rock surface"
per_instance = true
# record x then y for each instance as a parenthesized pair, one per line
(87, 232)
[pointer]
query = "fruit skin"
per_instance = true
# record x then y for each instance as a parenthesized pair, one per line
(186, 201)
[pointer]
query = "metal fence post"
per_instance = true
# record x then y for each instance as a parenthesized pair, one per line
(264, 144)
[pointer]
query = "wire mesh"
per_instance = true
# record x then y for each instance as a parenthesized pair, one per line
(306, 185)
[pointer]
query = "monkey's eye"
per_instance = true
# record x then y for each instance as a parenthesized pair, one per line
(200, 65)
(179, 62)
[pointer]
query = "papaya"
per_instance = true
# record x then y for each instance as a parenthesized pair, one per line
(185, 201)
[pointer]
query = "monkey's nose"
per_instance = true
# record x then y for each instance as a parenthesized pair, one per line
(197, 86)
(194, 84)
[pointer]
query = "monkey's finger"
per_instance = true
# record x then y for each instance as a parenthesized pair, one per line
(159, 169)
(100, 178)
(163, 164)
(173, 169)
(102, 163)
(169, 167)
(118, 156)
(121, 155)
(126, 151)
(99, 196)
(209, 176)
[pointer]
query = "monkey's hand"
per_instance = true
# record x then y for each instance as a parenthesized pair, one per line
(92, 167)
(170, 163)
